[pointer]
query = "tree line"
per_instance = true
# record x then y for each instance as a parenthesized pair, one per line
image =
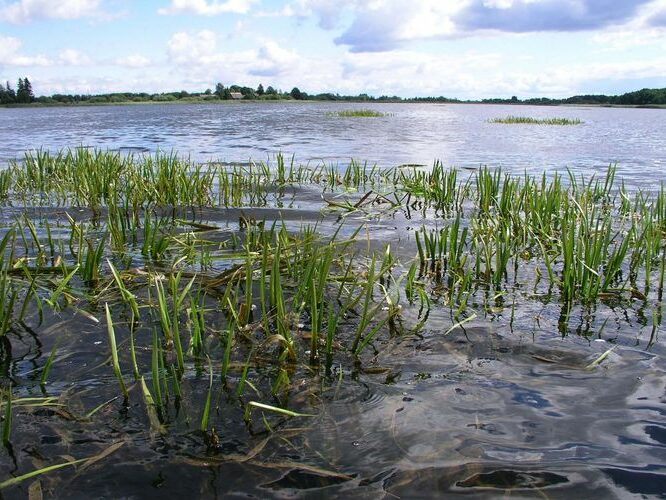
(643, 97)
(24, 95)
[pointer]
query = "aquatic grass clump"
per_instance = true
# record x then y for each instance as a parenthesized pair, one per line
(359, 113)
(527, 120)
(96, 179)
(5, 183)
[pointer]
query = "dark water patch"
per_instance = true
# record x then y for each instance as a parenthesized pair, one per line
(154, 139)
(301, 480)
(512, 480)
(132, 149)
(656, 433)
(477, 481)
(644, 483)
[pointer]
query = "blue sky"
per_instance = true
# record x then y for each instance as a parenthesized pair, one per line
(464, 48)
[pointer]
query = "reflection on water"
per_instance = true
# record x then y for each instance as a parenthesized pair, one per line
(487, 414)
(458, 135)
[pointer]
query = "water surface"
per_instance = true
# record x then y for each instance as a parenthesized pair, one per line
(457, 134)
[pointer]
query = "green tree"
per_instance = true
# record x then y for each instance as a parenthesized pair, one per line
(20, 92)
(271, 91)
(7, 94)
(219, 90)
(24, 92)
(28, 89)
(248, 93)
(297, 94)
(260, 90)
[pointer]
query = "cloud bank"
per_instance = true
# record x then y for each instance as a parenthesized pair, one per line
(24, 11)
(207, 8)
(384, 25)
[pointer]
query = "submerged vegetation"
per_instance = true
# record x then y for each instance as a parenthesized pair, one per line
(207, 309)
(526, 120)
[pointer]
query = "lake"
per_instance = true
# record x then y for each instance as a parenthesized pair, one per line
(456, 134)
(214, 328)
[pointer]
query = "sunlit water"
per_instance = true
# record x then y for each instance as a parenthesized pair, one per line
(458, 135)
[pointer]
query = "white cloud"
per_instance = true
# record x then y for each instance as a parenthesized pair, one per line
(186, 49)
(625, 38)
(24, 11)
(327, 12)
(72, 57)
(641, 31)
(383, 25)
(411, 73)
(207, 7)
(197, 62)
(132, 61)
(10, 54)
(60, 84)
(271, 60)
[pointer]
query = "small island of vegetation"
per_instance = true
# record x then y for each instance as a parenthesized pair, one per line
(527, 120)
(359, 113)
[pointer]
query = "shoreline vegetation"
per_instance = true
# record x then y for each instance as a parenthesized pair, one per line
(23, 96)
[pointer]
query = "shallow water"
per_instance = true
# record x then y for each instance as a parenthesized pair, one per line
(458, 135)
(494, 408)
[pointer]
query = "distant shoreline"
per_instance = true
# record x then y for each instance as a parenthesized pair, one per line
(24, 97)
(221, 102)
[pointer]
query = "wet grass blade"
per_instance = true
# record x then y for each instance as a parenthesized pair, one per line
(7, 424)
(460, 323)
(47, 366)
(276, 409)
(60, 289)
(599, 359)
(151, 408)
(19, 479)
(205, 417)
(114, 352)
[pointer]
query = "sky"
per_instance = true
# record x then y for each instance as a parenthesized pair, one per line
(466, 49)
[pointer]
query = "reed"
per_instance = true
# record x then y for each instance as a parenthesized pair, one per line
(526, 120)
(47, 366)
(8, 292)
(359, 113)
(5, 183)
(7, 420)
(114, 352)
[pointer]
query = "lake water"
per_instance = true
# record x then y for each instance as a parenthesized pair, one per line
(513, 404)
(458, 135)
